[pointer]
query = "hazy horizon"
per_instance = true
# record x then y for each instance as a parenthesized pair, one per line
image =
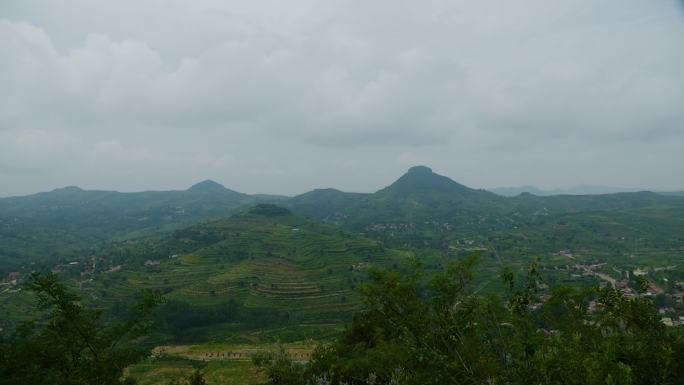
(608, 189)
(266, 97)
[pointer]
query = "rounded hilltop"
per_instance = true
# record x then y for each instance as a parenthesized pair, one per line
(421, 179)
(207, 185)
(268, 210)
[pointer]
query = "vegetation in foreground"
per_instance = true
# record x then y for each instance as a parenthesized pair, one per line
(72, 344)
(415, 330)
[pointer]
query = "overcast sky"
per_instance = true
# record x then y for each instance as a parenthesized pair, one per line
(285, 96)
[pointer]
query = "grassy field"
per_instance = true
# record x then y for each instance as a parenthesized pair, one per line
(220, 363)
(163, 371)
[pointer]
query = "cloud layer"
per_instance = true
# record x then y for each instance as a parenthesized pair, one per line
(267, 97)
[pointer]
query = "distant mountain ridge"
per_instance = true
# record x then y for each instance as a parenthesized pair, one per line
(112, 211)
(418, 196)
(418, 190)
(673, 193)
(422, 198)
(418, 202)
(577, 190)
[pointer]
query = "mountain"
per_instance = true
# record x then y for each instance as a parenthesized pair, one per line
(421, 195)
(421, 180)
(70, 218)
(418, 203)
(431, 203)
(418, 187)
(672, 193)
(209, 245)
(116, 211)
(421, 186)
(560, 204)
(577, 190)
(515, 191)
(211, 187)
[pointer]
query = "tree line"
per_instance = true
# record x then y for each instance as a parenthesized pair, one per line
(416, 330)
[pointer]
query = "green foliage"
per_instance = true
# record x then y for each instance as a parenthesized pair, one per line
(415, 330)
(71, 345)
(183, 320)
(265, 268)
(279, 367)
(248, 270)
(195, 378)
(269, 210)
(63, 222)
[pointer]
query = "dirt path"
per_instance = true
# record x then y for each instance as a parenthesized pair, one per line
(229, 353)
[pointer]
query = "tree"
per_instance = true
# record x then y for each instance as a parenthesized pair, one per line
(417, 330)
(72, 344)
(195, 378)
(279, 367)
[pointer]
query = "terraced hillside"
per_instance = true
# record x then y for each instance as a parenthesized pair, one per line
(44, 226)
(265, 266)
(47, 227)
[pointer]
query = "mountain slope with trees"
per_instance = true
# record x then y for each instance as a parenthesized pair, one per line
(438, 330)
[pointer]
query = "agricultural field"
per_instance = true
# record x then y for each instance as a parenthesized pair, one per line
(220, 363)
(277, 269)
(265, 276)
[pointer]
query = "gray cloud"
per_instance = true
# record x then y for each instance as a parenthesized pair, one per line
(271, 98)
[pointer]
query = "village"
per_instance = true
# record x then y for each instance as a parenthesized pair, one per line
(637, 282)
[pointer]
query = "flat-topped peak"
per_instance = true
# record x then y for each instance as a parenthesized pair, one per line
(69, 188)
(207, 185)
(66, 191)
(422, 179)
(268, 210)
(419, 170)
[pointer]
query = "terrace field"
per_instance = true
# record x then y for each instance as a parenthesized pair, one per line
(268, 269)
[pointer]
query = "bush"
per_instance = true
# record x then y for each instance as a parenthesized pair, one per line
(73, 345)
(415, 330)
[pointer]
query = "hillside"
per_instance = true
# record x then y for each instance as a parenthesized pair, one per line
(419, 206)
(328, 204)
(631, 237)
(56, 223)
(674, 193)
(423, 198)
(419, 194)
(278, 268)
(115, 211)
(262, 274)
(576, 190)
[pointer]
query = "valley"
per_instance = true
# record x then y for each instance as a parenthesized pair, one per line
(241, 274)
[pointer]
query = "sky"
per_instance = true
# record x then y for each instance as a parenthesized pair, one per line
(283, 97)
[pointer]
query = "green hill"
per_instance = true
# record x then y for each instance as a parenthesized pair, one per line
(420, 206)
(329, 204)
(48, 226)
(111, 211)
(420, 197)
(272, 267)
